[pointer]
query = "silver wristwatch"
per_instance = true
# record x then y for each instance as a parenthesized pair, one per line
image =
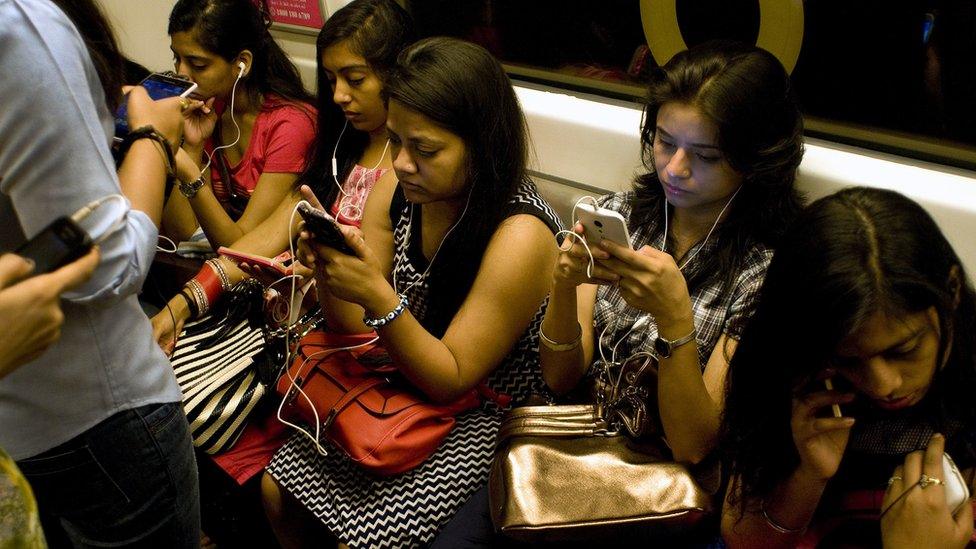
(190, 189)
(664, 347)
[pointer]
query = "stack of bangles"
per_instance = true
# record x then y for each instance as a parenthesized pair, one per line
(205, 288)
(552, 345)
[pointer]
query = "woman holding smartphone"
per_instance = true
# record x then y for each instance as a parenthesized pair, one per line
(249, 128)
(866, 291)
(95, 423)
(471, 239)
(356, 49)
(722, 138)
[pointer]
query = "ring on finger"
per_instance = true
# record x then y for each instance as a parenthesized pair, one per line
(184, 103)
(925, 481)
(893, 479)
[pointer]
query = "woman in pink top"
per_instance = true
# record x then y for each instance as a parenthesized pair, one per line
(356, 48)
(248, 127)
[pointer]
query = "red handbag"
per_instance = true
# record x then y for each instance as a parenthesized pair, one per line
(364, 407)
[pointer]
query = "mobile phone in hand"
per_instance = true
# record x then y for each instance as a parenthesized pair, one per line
(599, 223)
(324, 227)
(158, 86)
(281, 264)
(60, 243)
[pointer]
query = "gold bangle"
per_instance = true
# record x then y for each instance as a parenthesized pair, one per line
(552, 345)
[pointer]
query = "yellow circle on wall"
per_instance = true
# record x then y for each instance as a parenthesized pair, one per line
(780, 29)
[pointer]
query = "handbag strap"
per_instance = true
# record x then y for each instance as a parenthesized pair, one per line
(350, 397)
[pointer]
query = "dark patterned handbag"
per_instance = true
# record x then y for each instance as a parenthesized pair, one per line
(224, 363)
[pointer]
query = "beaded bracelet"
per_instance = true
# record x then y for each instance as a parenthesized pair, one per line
(195, 291)
(389, 317)
(221, 274)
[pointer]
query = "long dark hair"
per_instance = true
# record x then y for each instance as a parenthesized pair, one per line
(848, 256)
(102, 47)
(462, 88)
(746, 92)
(377, 30)
(228, 27)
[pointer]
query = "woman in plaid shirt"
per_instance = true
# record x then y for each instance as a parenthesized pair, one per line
(722, 140)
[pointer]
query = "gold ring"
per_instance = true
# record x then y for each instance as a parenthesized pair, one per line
(184, 103)
(925, 481)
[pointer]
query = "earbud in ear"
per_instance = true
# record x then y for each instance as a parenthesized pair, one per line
(242, 66)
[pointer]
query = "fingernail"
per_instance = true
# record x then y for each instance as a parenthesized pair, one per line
(30, 263)
(938, 436)
(848, 421)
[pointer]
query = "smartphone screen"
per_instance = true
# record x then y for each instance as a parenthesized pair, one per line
(159, 86)
(325, 228)
(60, 243)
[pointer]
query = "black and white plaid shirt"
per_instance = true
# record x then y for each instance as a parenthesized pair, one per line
(712, 316)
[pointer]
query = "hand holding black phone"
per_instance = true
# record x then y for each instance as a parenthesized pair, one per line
(60, 243)
(324, 228)
(158, 86)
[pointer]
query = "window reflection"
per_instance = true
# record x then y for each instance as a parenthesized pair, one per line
(898, 66)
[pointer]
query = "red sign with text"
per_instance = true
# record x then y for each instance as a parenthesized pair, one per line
(305, 13)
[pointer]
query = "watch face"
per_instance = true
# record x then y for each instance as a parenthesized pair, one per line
(662, 347)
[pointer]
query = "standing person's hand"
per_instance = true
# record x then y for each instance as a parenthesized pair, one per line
(30, 310)
(915, 514)
(164, 114)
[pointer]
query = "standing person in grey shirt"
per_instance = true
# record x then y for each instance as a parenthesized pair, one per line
(95, 423)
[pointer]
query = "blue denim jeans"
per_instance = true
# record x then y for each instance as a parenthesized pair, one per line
(131, 480)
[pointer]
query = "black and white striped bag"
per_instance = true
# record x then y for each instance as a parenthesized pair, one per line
(222, 367)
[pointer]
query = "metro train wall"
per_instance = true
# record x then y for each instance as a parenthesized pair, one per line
(586, 144)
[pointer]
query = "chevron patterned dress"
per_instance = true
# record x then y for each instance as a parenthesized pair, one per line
(408, 510)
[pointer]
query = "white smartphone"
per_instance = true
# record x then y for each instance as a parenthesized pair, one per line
(599, 223)
(956, 490)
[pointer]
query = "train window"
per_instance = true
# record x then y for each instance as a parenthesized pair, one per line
(892, 76)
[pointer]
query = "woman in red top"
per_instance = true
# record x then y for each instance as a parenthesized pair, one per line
(248, 127)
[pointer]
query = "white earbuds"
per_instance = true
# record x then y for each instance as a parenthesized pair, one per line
(242, 66)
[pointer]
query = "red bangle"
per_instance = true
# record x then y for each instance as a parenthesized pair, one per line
(210, 283)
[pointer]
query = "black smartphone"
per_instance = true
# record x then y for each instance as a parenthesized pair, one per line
(159, 86)
(60, 243)
(325, 228)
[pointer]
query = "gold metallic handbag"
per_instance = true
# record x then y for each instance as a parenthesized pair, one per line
(563, 472)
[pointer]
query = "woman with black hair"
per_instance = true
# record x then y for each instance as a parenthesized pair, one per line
(356, 49)
(865, 292)
(462, 289)
(722, 139)
(248, 128)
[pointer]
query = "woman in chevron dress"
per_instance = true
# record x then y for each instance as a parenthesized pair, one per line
(470, 258)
